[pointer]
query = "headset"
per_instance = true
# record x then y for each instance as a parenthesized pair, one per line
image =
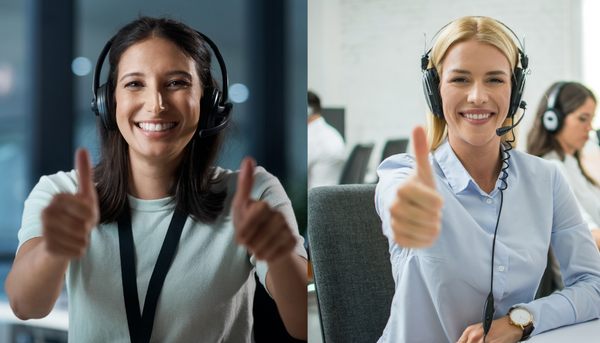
(215, 111)
(431, 80)
(431, 83)
(554, 117)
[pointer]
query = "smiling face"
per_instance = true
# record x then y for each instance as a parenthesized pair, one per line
(475, 86)
(574, 133)
(157, 100)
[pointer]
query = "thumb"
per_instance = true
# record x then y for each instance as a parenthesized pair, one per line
(245, 182)
(86, 175)
(423, 167)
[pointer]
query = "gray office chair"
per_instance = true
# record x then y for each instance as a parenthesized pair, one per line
(394, 147)
(350, 262)
(355, 167)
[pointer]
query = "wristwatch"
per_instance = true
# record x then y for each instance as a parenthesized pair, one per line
(522, 318)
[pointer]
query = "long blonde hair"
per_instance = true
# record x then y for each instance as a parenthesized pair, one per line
(481, 29)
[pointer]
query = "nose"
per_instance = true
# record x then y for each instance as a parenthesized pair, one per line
(477, 94)
(155, 102)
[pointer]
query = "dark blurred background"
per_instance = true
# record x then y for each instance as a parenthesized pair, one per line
(48, 50)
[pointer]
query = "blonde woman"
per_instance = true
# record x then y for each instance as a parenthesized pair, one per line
(469, 220)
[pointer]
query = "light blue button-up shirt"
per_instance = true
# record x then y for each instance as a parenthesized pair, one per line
(441, 290)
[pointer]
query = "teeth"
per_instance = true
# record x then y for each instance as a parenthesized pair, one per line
(155, 127)
(477, 116)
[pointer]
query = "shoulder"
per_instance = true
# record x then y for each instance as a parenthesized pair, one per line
(263, 181)
(320, 128)
(395, 162)
(61, 182)
(534, 167)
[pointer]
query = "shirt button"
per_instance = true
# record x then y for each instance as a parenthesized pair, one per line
(501, 268)
(488, 201)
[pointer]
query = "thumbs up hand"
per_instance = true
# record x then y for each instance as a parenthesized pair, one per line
(416, 212)
(69, 218)
(261, 229)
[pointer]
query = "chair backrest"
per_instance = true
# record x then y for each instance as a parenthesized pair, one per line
(393, 147)
(350, 262)
(355, 167)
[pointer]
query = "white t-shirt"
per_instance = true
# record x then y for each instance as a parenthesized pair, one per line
(587, 195)
(325, 154)
(208, 292)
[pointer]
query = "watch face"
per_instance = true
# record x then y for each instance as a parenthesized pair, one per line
(520, 316)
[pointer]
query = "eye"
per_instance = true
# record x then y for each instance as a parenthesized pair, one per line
(459, 79)
(496, 80)
(583, 119)
(133, 84)
(177, 83)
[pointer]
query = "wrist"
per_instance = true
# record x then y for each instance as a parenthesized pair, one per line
(522, 319)
(51, 257)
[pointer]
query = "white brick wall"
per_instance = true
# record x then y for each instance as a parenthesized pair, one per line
(364, 55)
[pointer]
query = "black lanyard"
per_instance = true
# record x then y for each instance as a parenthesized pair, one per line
(140, 326)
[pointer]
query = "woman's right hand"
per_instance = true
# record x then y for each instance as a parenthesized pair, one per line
(69, 218)
(416, 213)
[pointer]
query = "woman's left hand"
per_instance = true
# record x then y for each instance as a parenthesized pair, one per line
(501, 331)
(261, 229)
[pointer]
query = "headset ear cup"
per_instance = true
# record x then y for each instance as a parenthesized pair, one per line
(431, 88)
(209, 108)
(516, 92)
(552, 120)
(104, 107)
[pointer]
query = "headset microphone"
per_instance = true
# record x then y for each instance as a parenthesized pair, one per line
(504, 130)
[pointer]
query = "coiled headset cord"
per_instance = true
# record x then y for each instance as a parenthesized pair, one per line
(488, 308)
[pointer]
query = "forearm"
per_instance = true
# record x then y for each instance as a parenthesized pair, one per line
(35, 281)
(286, 281)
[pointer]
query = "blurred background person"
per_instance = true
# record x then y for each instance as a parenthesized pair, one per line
(325, 147)
(561, 129)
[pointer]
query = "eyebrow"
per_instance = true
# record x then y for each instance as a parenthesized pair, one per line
(493, 72)
(171, 73)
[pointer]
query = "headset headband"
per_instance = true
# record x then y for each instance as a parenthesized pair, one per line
(521, 50)
(553, 96)
(224, 77)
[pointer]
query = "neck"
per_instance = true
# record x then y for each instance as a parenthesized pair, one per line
(483, 163)
(313, 117)
(567, 149)
(149, 179)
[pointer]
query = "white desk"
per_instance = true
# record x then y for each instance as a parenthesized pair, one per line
(588, 332)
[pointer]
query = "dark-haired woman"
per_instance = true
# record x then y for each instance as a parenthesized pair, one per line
(154, 166)
(560, 140)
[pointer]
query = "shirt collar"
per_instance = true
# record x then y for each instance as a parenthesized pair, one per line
(456, 174)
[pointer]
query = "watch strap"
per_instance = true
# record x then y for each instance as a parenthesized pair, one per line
(527, 330)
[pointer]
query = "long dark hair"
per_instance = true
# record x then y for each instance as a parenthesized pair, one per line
(191, 185)
(541, 141)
